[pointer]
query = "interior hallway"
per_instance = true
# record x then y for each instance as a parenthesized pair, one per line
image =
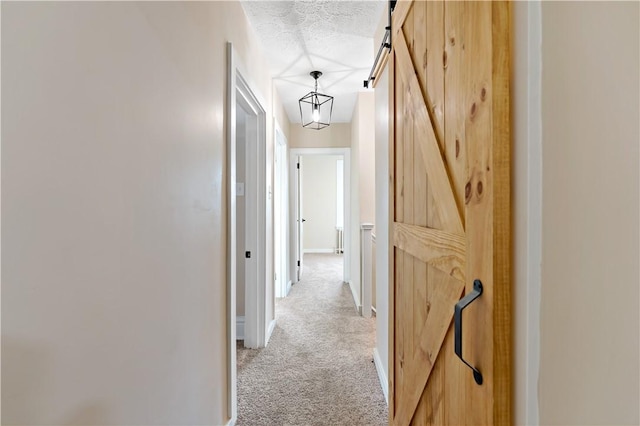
(317, 368)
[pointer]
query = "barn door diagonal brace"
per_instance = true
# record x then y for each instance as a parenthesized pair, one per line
(457, 319)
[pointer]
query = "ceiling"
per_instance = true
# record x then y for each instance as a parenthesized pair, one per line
(332, 36)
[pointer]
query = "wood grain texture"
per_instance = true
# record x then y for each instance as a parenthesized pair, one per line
(435, 392)
(420, 188)
(455, 401)
(382, 64)
(398, 143)
(392, 218)
(428, 347)
(451, 88)
(407, 285)
(440, 184)
(470, 24)
(434, 71)
(407, 27)
(431, 77)
(458, 92)
(418, 48)
(502, 254)
(441, 249)
(428, 36)
(399, 349)
(399, 17)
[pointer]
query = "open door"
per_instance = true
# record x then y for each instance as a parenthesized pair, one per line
(450, 214)
(299, 219)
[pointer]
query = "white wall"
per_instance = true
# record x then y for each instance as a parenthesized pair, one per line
(319, 181)
(367, 157)
(282, 120)
(362, 178)
(527, 210)
(383, 241)
(590, 202)
(355, 207)
(338, 135)
(113, 189)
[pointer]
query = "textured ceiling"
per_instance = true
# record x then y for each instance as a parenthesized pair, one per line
(332, 36)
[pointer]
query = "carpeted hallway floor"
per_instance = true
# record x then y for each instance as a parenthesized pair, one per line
(317, 368)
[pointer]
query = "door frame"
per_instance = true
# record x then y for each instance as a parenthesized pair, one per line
(281, 216)
(346, 156)
(255, 216)
(241, 93)
(299, 220)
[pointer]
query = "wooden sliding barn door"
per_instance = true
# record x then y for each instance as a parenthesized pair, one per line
(450, 207)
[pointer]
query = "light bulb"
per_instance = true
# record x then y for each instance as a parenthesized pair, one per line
(316, 113)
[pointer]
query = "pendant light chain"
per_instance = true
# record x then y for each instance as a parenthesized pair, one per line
(316, 108)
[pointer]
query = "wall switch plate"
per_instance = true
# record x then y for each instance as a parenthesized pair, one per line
(240, 189)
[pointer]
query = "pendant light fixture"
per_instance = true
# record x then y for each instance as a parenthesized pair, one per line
(316, 108)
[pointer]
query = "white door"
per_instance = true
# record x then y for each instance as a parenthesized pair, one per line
(299, 218)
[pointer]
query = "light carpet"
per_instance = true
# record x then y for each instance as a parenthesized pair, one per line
(317, 368)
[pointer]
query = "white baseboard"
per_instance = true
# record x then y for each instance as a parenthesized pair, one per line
(356, 299)
(231, 422)
(272, 326)
(239, 328)
(382, 376)
(319, 250)
(288, 288)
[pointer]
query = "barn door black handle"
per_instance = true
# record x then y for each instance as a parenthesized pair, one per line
(457, 319)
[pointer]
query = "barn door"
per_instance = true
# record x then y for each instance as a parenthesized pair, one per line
(450, 154)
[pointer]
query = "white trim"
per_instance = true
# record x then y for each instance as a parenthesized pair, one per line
(272, 326)
(382, 376)
(356, 299)
(239, 90)
(256, 210)
(319, 250)
(534, 231)
(366, 268)
(281, 244)
(527, 207)
(288, 288)
(231, 422)
(294, 213)
(232, 399)
(340, 193)
(346, 155)
(239, 328)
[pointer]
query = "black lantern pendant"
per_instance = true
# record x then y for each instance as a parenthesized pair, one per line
(316, 108)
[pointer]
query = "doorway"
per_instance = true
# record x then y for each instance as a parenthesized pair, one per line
(297, 192)
(250, 216)
(247, 191)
